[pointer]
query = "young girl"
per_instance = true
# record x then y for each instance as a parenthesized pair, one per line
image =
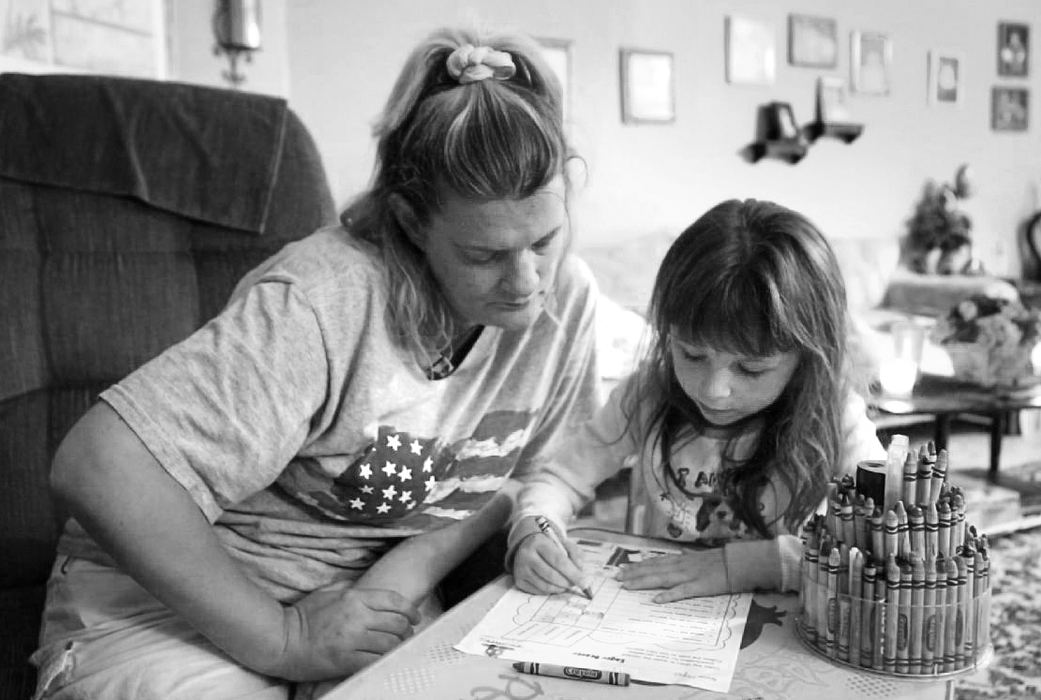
(734, 423)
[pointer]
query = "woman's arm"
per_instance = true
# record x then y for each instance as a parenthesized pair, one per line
(417, 565)
(138, 513)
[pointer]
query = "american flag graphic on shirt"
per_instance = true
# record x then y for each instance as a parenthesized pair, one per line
(409, 480)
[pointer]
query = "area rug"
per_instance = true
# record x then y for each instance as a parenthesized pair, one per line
(1015, 671)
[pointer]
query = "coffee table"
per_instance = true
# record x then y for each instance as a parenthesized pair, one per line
(943, 398)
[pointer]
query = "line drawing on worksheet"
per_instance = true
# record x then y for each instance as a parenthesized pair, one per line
(616, 616)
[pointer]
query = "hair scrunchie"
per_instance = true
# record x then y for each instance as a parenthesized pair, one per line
(470, 64)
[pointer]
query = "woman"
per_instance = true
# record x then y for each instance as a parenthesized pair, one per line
(376, 384)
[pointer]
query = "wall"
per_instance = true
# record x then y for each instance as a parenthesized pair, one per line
(343, 55)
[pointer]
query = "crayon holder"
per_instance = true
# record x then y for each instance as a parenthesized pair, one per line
(923, 642)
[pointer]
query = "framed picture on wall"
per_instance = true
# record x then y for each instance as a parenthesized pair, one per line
(870, 62)
(647, 92)
(751, 52)
(557, 53)
(813, 41)
(946, 84)
(831, 100)
(1009, 109)
(1013, 49)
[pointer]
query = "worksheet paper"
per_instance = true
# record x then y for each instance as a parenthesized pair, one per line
(691, 642)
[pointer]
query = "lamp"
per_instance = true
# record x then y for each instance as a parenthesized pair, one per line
(236, 29)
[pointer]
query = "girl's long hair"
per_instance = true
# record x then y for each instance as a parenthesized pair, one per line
(755, 278)
(490, 139)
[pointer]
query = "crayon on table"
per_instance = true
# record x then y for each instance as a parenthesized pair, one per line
(903, 531)
(846, 519)
(892, 536)
(939, 476)
(842, 595)
(856, 576)
(914, 653)
(961, 629)
(822, 594)
(892, 615)
(909, 492)
(878, 530)
(903, 631)
(868, 633)
(916, 526)
(578, 673)
(950, 621)
(940, 606)
(923, 482)
(932, 527)
(943, 529)
(880, 618)
(929, 620)
(832, 626)
(548, 530)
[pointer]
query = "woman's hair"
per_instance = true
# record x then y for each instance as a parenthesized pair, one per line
(493, 138)
(755, 278)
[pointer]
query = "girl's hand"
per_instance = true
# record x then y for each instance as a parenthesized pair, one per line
(688, 575)
(539, 566)
(338, 630)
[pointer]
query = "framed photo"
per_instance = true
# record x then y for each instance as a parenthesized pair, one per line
(946, 81)
(1013, 49)
(557, 53)
(751, 52)
(870, 62)
(813, 41)
(1009, 109)
(832, 107)
(647, 91)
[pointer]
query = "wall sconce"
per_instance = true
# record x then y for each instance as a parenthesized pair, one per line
(777, 135)
(236, 29)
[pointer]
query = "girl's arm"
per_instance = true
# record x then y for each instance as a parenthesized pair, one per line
(414, 567)
(737, 567)
(117, 490)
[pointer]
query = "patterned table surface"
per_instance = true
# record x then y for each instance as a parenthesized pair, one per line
(773, 664)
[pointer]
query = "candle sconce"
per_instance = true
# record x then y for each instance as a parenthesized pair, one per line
(236, 30)
(832, 117)
(777, 135)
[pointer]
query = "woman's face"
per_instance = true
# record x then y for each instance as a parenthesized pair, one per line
(496, 259)
(728, 387)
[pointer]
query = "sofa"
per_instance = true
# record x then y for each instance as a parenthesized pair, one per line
(128, 211)
(880, 289)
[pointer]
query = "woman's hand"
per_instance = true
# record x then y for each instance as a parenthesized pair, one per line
(337, 630)
(539, 566)
(688, 575)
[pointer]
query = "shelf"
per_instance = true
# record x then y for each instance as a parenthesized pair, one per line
(844, 131)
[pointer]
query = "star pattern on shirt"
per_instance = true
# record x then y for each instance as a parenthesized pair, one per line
(392, 477)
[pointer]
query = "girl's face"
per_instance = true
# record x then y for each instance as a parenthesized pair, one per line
(496, 259)
(728, 387)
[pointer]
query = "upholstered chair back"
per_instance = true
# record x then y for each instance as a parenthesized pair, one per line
(128, 211)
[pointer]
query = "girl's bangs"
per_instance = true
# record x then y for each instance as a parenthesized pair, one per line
(737, 317)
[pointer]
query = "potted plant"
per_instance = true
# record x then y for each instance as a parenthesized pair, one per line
(939, 239)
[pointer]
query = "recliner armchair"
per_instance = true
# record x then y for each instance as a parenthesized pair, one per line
(128, 211)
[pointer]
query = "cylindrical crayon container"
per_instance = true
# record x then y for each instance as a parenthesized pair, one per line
(900, 639)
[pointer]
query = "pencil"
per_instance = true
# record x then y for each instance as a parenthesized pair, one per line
(548, 530)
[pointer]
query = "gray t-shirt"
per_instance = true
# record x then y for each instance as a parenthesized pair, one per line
(314, 441)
